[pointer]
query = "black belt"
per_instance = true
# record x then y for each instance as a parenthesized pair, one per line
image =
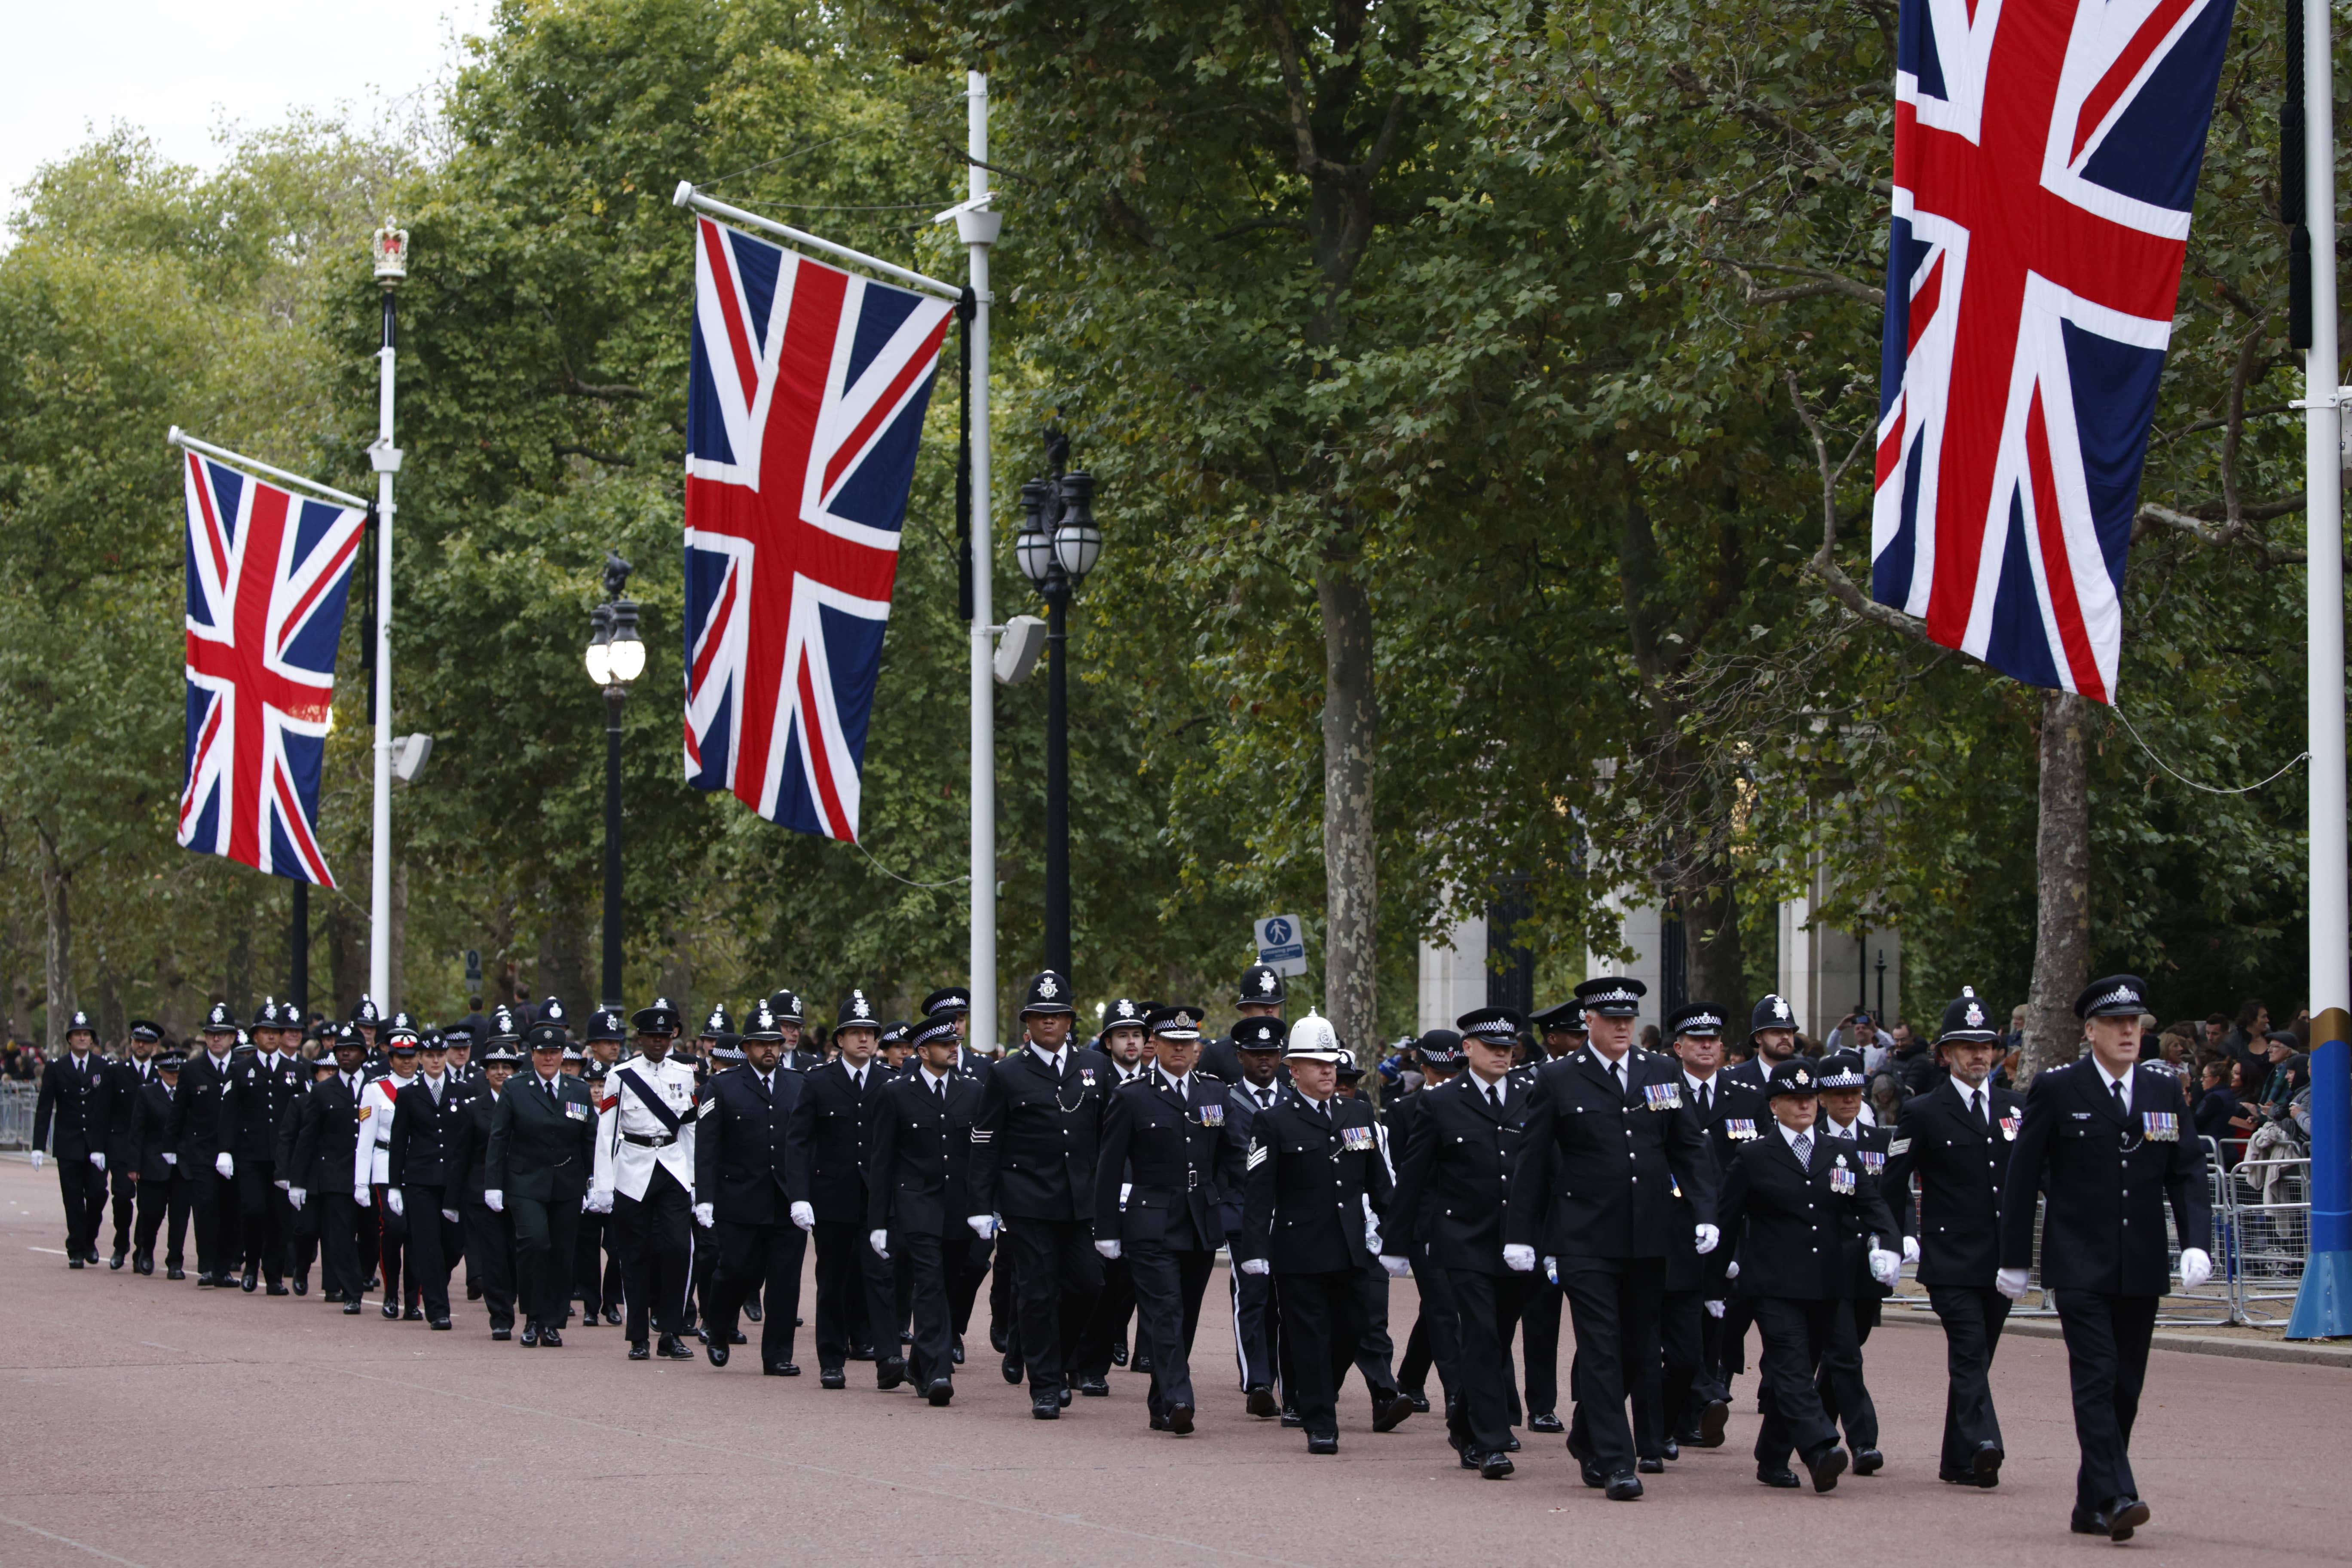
(649, 1141)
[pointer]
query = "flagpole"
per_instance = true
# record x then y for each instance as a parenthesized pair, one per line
(390, 248)
(978, 229)
(2323, 1306)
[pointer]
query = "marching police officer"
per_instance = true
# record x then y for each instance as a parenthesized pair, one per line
(372, 1164)
(326, 1152)
(1788, 1198)
(1846, 1395)
(1730, 1111)
(1563, 1032)
(856, 1293)
(422, 1175)
(1447, 1219)
(952, 1003)
(743, 1167)
(1126, 1042)
(1168, 1146)
(1771, 1039)
(644, 1179)
(1956, 1138)
(1678, 1402)
(598, 1278)
(1608, 1141)
(1257, 1041)
(1430, 1342)
(194, 1132)
(490, 1235)
(2102, 1142)
(1316, 1184)
(164, 1183)
(73, 1100)
(542, 1143)
(255, 1102)
(1033, 1150)
(919, 1190)
(125, 1080)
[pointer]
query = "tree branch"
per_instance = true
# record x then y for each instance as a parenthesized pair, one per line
(1824, 566)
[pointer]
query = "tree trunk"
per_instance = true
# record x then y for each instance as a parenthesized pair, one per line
(237, 979)
(1350, 864)
(1717, 961)
(58, 956)
(2062, 936)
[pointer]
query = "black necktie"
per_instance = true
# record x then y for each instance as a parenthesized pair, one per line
(2123, 1107)
(940, 1089)
(1706, 1097)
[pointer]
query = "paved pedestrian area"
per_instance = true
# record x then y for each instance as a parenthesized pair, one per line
(150, 1423)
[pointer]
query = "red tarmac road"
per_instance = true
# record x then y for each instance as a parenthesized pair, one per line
(150, 1423)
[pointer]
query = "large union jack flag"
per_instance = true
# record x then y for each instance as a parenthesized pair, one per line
(268, 571)
(2046, 154)
(803, 417)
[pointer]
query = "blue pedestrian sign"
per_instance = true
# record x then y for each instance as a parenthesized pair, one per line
(1282, 944)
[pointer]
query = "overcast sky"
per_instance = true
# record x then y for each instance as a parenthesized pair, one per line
(181, 72)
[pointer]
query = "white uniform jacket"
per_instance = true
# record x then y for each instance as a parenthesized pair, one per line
(633, 1137)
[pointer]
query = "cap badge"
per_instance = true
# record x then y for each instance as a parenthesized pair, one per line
(1046, 988)
(1265, 981)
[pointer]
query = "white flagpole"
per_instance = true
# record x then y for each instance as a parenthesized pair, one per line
(391, 266)
(978, 229)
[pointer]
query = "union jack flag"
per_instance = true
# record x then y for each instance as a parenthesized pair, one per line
(2046, 154)
(268, 570)
(807, 400)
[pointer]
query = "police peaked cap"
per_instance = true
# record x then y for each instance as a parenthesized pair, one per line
(1260, 1034)
(402, 1033)
(1771, 1013)
(1701, 1020)
(898, 1032)
(170, 1060)
(547, 1037)
(949, 999)
(936, 1029)
(1967, 1019)
(1259, 983)
(1612, 996)
(661, 1018)
(146, 1029)
(501, 1054)
(1840, 1069)
(1568, 1017)
(1439, 1047)
(1179, 1023)
(2118, 995)
(457, 1037)
(1494, 1026)
(1795, 1076)
(1049, 993)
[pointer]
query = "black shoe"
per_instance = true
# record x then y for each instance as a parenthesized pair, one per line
(718, 1354)
(375, 1283)
(1672, 1450)
(1771, 1477)
(832, 1378)
(739, 1338)
(549, 1339)
(1420, 1401)
(1495, 1467)
(956, 1355)
(940, 1390)
(753, 1311)
(1986, 1463)
(2087, 1522)
(502, 1334)
(1624, 1488)
(640, 1350)
(530, 1334)
(1547, 1422)
(1390, 1410)
(861, 1352)
(1511, 1445)
(473, 1293)
(1118, 1353)
(1139, 1362)
(999, 1339)
(441, 1325)
(1094, 1388)
(1650, 1467)
(1322, 1442)
(1826, 1466)
(1159, 1423)
(889, 1372)
(1291, 1417)
(171, 1273)
(251, 1281)
(1711, 1423)
(1062, 1399)
(1471, 1458)
(1012, 1366)
(671, 1348)
(2125, 1515)
(143, 1263)
(392, 1310)
(116, 1261)
(352, 1309)
(613, 1317)
(1581, 1451)
(781, 1369)
(301, 1287)
(275, 1290)
(1046, 1408)
(1260, 1401)
(1179, 1419)
(205, 1279)
(414, 1315)
(1868, 1461)
(76, 1263)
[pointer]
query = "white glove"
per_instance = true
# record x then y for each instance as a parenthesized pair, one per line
(1731, 1270)
(1708, 1239)
(393, 1204)
(1910, 1249)
(2196, 1268)
(1254, 1266)
(450, 1215)
(1110, 1249)
(1519, 1259)
(298, 1196)
(366, 1199)
(1886, 1267)
(880, 1240)
(226, 1163)
(495, 1199)
(283, 1186)
(39, 1157)
(600, 1200)
(805, 1214)
(983, 1225)
(98, 1159)
(1372, 1238)
(1715, 1309)
(169, 1159)
(1398, 1268)
(2012, 1283)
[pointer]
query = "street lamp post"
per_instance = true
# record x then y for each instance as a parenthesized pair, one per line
(615, 658)
(1058, 545)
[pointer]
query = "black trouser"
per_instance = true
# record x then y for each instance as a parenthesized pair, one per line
(266, 1216)
(367, 1241)
(215, 1207)
(590, 1270)
(655, 1237)
(968, 1258)
(1485, 1305)
(1614, 1304)
(1731, 1340)
(747, 1258)
(435, 1244)
(83, 1186)
(307, 1221)
(1004, 1305)
(1540, 1344)
(2106, 1360)
(1258, 1329)
(1106, 1323)
(490, 1259)
(925, 1260)
(1169, 1286)
(1682, 1358)
(1845, 1398)
(393, 1248)
(1057, 1275)
(1435, 1340)
(1794, 1334)
(856, 1298)
(125, 1191)
(1323, 1320)
(341, 1274)
(1376, 1353)
(1972, 1318)
(546, 1233)
(157, 1202)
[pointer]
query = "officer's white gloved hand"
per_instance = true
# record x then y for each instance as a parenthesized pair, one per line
(1731, 1270)
(1398, 1268)
(283, 1186)
(226, 1163)
(393, 1204)
(39, 1157)
(880, 1240)
(805, 1214)
(98, 1159)
(1715, 1309)
(1709, 1238)
(600, 1200)
(1254, 1266)
(365, 1199)
(1110, 1249)
(493, 1197)
(706, 1215)
(1910, 1249)
(1886, 1267)
(450, 1215)
(2012, 1283)
(1519, 1259)
(2196, 1268)
(169, 1159)
(983, 1225)
(298, 1196)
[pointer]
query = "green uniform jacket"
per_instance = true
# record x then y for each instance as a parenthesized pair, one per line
(542, 1147)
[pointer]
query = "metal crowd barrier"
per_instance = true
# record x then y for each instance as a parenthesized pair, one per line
(16, 1098)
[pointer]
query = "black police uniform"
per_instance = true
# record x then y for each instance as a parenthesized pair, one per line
(195, 1129)
(2107, 1158)
(258, 1096)
(1104, 1339)
(1730, 1111)
(1840, 1380)
(857, 1295)
(326, 1151)
(1430, 1343)
(919, 1190)
(163, 1184)
(743, 1169)
(1260, 986)
(542, 1143)
(425, 1164)
(125, 1079)
(488, 1233)
(1258, 1350)
(72, 1101)
(1958, 1140)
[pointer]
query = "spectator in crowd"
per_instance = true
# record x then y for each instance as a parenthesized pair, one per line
(2014, 1041)
(1651, 1039)
(2246, 1040)
(1898, 1040)
(1886, 1099)
(2287, 1066)
(17, 1064)
(2218, 1111)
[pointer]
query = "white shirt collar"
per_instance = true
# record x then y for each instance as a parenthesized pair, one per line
(935, 1078)
(1182, 1082)
(2111, 1080)
(1313, 1103)
(1828, 1127)
(1790, 1134)
(1051, 1058)
(1699, 1083)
